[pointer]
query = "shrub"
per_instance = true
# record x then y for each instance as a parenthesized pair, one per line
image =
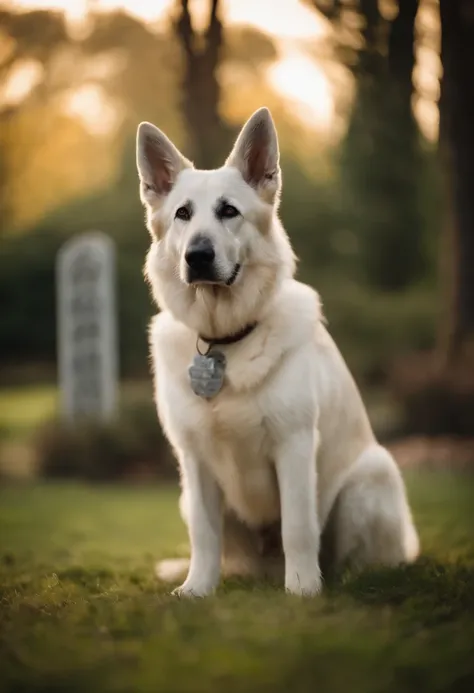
(437, 399)
(132, 446)
(373, 329)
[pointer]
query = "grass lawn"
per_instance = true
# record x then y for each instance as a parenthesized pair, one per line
(24, 407)
(81, 611)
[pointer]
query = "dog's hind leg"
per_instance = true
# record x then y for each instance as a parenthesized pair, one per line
(372, 518)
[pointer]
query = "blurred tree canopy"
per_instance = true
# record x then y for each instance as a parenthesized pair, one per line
(365, 211)
(382, 157)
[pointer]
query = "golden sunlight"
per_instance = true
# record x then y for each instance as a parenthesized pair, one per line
(296, 76)
(287, 19)
(148, 10)
(76, 10)
(305, 87)
(92, 107)
(427, 72)
(24, 77)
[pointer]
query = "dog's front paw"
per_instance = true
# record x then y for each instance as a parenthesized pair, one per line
(304, 582)
(191, 590)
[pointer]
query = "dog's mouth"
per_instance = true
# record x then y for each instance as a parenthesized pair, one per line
(211, 279)
(234, 275)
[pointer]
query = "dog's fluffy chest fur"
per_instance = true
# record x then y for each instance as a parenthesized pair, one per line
(272, 388)
(235, 440)
(234, 433)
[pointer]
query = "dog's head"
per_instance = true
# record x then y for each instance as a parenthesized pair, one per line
(215, 234)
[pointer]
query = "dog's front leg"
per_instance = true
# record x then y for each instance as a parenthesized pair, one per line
(204, 517)
(296, 471)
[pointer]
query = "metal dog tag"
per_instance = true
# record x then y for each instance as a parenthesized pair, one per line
(206, 374)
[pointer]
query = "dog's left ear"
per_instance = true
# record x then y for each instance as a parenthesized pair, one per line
(159, 163)
(256, 155)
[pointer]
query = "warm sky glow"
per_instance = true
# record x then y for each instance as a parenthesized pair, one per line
(27, 74)
(286, 20)
(89, 103)
(297, 76)
(291, 76)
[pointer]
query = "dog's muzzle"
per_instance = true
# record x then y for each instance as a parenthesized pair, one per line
(200, 263)
(200, 256)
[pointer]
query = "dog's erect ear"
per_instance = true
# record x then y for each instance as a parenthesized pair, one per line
(158, 162)
(256, 154)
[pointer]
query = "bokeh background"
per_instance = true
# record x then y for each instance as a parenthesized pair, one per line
(374, 104)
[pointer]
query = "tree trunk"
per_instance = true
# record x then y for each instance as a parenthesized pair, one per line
(437, 390)
(201, 90)
(401, 51)
(381, 156)
(457, 149)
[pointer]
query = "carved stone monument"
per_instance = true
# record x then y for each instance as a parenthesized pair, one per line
(87, 327)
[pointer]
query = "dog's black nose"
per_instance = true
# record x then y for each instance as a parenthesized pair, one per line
(200, 253)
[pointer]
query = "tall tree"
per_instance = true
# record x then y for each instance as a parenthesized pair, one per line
(457, 149)
(201, 90)
(380, 164)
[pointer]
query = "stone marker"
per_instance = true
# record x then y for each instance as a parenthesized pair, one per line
(87, 327)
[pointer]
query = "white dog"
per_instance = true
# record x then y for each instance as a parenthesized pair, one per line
(272, 438)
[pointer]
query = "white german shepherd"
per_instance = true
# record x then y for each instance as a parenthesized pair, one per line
(272, 438)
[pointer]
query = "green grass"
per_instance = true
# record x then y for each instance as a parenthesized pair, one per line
(24, 408)
(81, 610)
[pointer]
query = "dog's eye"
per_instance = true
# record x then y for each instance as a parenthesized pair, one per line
(228, 212)
(183, 213)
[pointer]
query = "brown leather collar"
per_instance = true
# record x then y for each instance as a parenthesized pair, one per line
(231, 338)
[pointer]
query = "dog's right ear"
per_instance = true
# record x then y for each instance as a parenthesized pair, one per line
(158, 162)
(256, 155)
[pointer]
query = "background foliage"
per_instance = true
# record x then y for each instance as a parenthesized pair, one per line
(378, 212)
